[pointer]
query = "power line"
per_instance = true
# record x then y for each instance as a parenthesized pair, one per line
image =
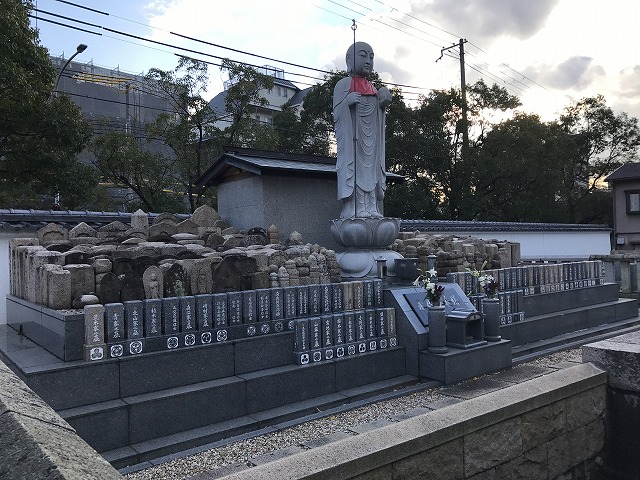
(137, 37)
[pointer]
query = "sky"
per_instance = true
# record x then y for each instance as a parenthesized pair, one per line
(550, 53)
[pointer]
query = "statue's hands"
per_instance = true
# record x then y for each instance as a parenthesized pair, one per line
(353, 98)
(384, 97)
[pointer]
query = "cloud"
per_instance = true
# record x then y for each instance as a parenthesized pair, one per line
(629, 79)
(574, 73)
(481, 21)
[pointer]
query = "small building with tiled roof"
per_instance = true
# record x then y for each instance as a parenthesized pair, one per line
(625, 183)
(258, 188)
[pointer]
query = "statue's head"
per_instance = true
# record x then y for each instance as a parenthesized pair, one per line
(361, 63)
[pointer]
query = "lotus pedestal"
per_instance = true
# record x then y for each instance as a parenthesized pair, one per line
(365, 241)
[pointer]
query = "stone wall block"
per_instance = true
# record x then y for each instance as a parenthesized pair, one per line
(492, 446)
(443, 462)
(586, 408)
(543, 424)
(531, 465)
(566, 451)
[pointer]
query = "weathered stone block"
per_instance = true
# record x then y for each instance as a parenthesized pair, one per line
(492, 446)
(586, 408)
(530, 465)
(444, 462)
(543, 424)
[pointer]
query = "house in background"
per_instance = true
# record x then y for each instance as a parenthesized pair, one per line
(625, 183)
(283, 91)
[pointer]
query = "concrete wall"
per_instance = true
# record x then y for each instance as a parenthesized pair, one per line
(549, 427)
(37, 443)
(620, 357)
(4, 268)
(288, 202)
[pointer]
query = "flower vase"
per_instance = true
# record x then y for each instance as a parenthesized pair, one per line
(491, 316)
(437, 330)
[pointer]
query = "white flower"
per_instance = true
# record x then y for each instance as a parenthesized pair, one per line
(417, 282)
(430, 286)
(432, 273)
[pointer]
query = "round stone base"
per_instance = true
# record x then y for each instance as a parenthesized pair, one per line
(358, 263)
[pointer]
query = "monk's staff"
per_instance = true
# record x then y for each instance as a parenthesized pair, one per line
(353, 122)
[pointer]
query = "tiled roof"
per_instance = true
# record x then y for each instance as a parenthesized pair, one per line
(261, 162)
(628, 171)
(12, 219)
(31, 220)
(472, 226)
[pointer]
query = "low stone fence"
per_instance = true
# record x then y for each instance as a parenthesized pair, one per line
(37, 443)
(547, 427)
(543, 428)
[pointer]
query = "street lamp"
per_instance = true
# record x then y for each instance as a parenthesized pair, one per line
(79, 49)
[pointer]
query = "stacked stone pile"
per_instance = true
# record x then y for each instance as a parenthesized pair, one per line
(63, 269)
(455, 253)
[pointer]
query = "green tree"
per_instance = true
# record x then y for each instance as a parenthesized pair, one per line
(242, 99)
(518, 171)
(439, 129)
(40, 134)
(123, 161)
(602, 141)
(187, 130)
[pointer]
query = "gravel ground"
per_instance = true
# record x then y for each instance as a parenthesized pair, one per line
(242, 451)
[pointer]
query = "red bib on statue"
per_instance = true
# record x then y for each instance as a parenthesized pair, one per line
(362, 85)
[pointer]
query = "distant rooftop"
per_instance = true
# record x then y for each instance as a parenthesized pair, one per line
(628, 171)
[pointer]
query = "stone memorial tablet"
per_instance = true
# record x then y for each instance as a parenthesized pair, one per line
(114, 319)
(315, 333)
(350, 328)
(249, 307)
(325, 293)
(327, 330)
(368, 294)
(315, 300)
(391, 321)
(358, 294)
(234, 308)
(133, 319)
(377, 292)
(361, 325)
(290, 302)
(338, 328)
(370, 315)
(301, 335)
(381, 322)
(152, 317)
(187, 314)
(204, 314)
(277, 304)
(347, 296)
(94, 325)
(170, 315)
(336, 297)
(263, 305)
(302, 303)
(219, 308)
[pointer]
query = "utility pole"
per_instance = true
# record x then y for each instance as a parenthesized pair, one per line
(463, 92)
